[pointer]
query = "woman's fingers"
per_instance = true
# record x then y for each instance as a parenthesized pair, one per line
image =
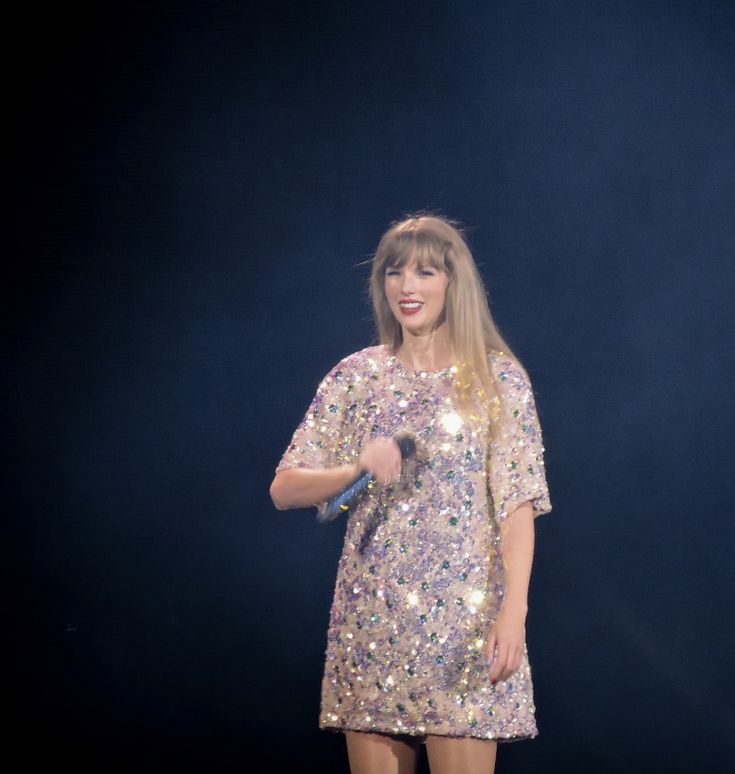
(507, 659)
(500, 662)
(490, 650)
(382, 457)
(511, 664)
(517, 661)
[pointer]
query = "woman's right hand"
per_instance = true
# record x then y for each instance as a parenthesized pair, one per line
(382, 457)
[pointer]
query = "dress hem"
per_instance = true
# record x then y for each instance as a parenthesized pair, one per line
(423, 734)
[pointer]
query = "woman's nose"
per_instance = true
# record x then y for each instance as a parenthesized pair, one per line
(408, 282)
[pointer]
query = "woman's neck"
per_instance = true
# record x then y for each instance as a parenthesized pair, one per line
(431, 351)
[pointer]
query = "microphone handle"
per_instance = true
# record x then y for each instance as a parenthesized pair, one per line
(340, 503)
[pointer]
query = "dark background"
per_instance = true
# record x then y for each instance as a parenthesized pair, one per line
(192, 188)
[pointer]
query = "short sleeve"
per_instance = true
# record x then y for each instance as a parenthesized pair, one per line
(516, 461)
(320, 440)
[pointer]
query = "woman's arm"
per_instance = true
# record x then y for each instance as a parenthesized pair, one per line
(517, 534)
(304, 487)
(508, 636)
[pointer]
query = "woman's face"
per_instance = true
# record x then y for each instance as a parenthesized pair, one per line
(416, 295)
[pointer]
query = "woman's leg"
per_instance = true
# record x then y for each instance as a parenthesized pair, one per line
(460, 755)
(381, 753)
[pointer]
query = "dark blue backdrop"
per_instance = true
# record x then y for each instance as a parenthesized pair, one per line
(194, 188)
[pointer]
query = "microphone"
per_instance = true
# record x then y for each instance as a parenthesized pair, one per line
(341, 502)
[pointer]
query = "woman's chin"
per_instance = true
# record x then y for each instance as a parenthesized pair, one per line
(420, 327)
(416, 330)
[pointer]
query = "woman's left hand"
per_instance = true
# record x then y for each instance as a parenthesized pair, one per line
(506, 643)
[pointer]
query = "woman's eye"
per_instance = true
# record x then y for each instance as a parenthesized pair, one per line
(391, 273)
(427, 272)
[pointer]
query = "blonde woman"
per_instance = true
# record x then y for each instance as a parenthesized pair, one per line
(426, 639)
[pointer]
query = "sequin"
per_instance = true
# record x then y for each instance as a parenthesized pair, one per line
(406, 631)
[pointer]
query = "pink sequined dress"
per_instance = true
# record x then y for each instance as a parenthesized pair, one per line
(420, 579)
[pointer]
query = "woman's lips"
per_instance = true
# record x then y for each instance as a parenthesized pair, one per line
(410, 307)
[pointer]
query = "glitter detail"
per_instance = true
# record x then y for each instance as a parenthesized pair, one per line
(451, 422)
(476, 596)
(420, 577)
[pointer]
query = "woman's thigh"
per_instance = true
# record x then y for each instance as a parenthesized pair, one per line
(381, 753)
(461, 755)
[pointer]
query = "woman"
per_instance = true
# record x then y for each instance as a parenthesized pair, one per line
(426, 639)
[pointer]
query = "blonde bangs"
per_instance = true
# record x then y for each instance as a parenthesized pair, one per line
(402, 247)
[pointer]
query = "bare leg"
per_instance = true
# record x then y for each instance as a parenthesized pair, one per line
(460, 755)
(381, 753)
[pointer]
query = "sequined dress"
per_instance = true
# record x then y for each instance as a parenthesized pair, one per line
(420, 578)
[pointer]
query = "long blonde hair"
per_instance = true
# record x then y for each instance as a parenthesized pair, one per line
(438, 242)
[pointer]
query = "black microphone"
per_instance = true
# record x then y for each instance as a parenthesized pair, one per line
(342, 501)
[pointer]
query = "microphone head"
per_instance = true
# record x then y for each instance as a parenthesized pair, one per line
(406, 444)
